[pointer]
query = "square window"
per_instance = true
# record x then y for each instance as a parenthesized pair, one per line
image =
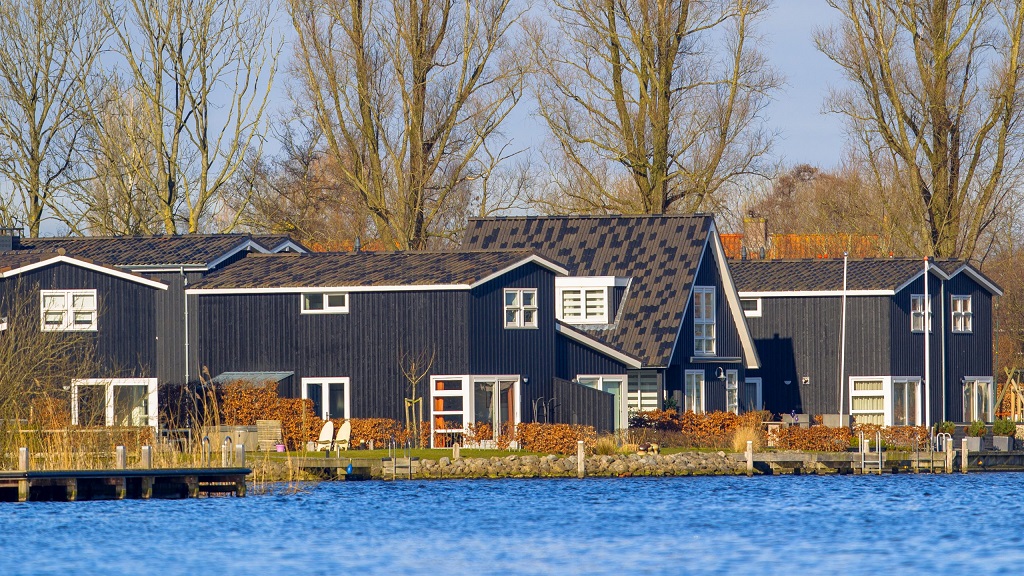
(520, 308)
(68, 310)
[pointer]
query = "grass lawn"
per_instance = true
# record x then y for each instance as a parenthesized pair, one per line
(422, 453)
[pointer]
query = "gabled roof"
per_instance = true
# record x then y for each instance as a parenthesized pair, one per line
(660, 253)
(825, 277)
(373, 271)
(190, 250)
(15, 263)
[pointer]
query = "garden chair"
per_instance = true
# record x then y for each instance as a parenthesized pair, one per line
(344, 436)
(326, 440)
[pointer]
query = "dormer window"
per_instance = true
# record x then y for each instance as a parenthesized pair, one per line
(585, 305)
(325, 303)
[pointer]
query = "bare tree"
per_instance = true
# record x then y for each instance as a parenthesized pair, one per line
(654, 105)
(48, 50)
(407, 92)
(202, 72)
(934, 104)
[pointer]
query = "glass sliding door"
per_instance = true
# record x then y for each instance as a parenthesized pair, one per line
(906, 402)
(977, 399)
(114, 402)
(330, 396)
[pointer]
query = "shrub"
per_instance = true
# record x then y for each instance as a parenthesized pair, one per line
(1004, 428)
(945, 427)
(606, 445)
(554, 438)
(815, 438)
(977, 429)
(707, 430)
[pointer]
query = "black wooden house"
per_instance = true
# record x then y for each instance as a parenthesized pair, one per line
(795, 310)
(654, 299)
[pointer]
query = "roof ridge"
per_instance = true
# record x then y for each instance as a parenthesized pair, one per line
(589, 216)
(151, 236)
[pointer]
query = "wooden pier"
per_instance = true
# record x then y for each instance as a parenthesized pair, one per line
(72, 485)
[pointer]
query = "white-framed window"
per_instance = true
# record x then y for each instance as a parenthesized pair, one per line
(324, 302)
(614, 385)
(68, 310)
(584, 305)
(751, 307)
(704, 320)
(867, 400)
(330, 396)
(978, 398)
(520, 308)
(906, 402)
(917, 313)
(693, 395)
(114, 402)
(752, 395)
(643, 391)
(458, 401)
(732, 391)
(963, 317)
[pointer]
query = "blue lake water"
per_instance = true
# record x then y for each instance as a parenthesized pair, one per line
(904, 524)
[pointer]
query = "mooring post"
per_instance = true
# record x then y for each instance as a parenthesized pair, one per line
(147, 457)
(750, 457)
(225, 452)
(455, 451)
(23, 466)
(120, 458)
(581, 459)
(240, 455)
(963, 456)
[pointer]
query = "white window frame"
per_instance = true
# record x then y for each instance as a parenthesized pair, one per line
(920, 314)
(468, 401)
(622, 410)
(971, 410)
(756, 312)
(758, 400)
(702, 391)
(325, 394)
(519, 307)
(703, 344)
(584, 293)
(152, 408)
(68, 310)
(917, 418)
(328, 308)
(963, 314)
(641, 395)
(887, 396)
(732, 391)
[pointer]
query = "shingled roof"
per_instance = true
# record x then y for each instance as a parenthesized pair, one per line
(819, 275)
(366, 269)
(142, 251)
(659, 253)
(15, 262)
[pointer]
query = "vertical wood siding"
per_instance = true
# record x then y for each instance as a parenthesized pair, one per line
(125, 339)
(170, 326)
(908, 347)
(574, 359)
(967, 354)
(578, 404)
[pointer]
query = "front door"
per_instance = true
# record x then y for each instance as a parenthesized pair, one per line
(494, 404)
(330, 396)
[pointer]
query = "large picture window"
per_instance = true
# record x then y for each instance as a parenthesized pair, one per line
(520, 308)
(867, 401)
(114, 402)
(977, 399)
(704, 320)
(68, 310)
(963, 318)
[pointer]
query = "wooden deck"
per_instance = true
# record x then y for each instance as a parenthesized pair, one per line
(72, 485)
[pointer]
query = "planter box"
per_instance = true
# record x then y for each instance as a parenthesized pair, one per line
(1002, 443)
(973, 443)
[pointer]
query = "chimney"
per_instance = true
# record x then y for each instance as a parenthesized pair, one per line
(755, 234)
(10, 239)
(358, 245)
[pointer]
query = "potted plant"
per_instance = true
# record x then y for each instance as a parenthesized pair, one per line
(975, 432)
(945, 427)
(1003, 432)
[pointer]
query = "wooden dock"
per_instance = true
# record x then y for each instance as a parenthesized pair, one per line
(72, 485)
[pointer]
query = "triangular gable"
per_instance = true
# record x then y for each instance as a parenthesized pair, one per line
(62, 259)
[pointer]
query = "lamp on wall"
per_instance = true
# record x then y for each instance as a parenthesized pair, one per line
(805, 380)
(787, 382)
(719, 373)
(526, 378)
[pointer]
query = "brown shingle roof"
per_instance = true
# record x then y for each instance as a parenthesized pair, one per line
(822, 275)
(325, 269)
(659, 253)
(128, 251)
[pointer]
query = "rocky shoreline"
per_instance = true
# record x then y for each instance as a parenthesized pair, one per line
(514, 466)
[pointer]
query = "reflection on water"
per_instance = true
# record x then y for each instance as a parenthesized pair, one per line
(776, 525)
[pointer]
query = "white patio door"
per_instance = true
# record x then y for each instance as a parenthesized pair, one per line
(330, 396)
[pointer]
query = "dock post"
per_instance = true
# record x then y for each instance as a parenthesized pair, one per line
(146, 491)
(581, 459)
(949, 456)
(120, 488)
(146, 459)
(455, 451)
(71, 489)
(240, 455)
(963, 456)
(750, 457)
(23, 466)
(240, 488)
(225, 452)
(120, 457)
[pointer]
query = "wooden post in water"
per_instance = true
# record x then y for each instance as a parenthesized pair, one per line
(71, 489)
(146, 460)
(23, 466)
(949, 457)
(120, 458)
(581, 459)
(750, 457)
(963, 456)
